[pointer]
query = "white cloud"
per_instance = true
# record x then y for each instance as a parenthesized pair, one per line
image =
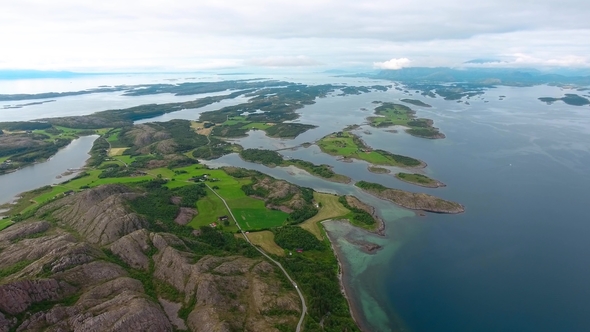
(170, 35)
(283, 61)
(392, 64)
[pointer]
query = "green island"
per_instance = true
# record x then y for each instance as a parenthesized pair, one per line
(415, 102)
(347, 145)
(569, 98)
(273, 158)
(419, 180)
(413, 201)
(391, 114)
(378, 170)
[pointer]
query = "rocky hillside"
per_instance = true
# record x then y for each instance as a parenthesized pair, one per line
(86, 262)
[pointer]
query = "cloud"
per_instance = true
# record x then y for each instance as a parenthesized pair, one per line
(167, 35)
(283, 61)
(392, 64)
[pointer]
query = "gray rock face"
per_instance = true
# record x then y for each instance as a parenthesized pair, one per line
(132, 248)
(23, 230)
(98, 214)
(64, 267)
(18, 296)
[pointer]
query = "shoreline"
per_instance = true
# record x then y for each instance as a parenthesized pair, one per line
(355, 312)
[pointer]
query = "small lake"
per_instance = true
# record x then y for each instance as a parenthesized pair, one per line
(38, 175)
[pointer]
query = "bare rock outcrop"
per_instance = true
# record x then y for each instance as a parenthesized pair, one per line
(98, 214)
(95, 267)
(131, 249)
(18, 296)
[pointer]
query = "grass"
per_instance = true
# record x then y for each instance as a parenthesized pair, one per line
(210, 208)
(116, 151)
(199, 128)
(235, 120)
(257, 125)
(6, 222)
(348, 145)
(251, 213)
(266, 240)
(330, 208)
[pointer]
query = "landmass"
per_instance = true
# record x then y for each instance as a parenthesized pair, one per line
(413, 201)
(132, 228)
(27, 104)
(378, 170)
(419, 180)
(415, 102)
(570, 99)
(273, 158)
(347, 145)
(390, 114)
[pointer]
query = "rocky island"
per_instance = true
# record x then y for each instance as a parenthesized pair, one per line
(413, 201)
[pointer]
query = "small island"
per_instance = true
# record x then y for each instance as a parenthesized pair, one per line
(570, 99)
(349, 146)
(272, 159)
(378, 170)
(390, 114)
(415, 102)
(413, 201)
(419, 180)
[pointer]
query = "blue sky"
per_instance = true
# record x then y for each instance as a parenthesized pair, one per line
(184, 35)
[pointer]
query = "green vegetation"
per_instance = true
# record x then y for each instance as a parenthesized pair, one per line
(329, 208)
(348, 145)
(391, 114)
(4, 223)
(273, 158)
(415, 102)
(419, 179)
(316, 274)
(292, 238)
(378, 170)
(358, 216)
(265, 240)
(288, 130)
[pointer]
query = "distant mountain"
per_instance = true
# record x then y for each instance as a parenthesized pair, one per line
(486, 76)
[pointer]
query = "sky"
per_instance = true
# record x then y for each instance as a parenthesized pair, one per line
(192, 35)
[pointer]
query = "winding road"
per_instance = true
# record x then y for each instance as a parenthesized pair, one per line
(303, 305)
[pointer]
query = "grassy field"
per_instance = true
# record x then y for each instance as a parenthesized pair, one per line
(210, 208)
(6, 222)
(257, 125)
(116, 151)
(347, 145)
(266, 240)
(250, 212)
(394, 115)
(330, 208)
